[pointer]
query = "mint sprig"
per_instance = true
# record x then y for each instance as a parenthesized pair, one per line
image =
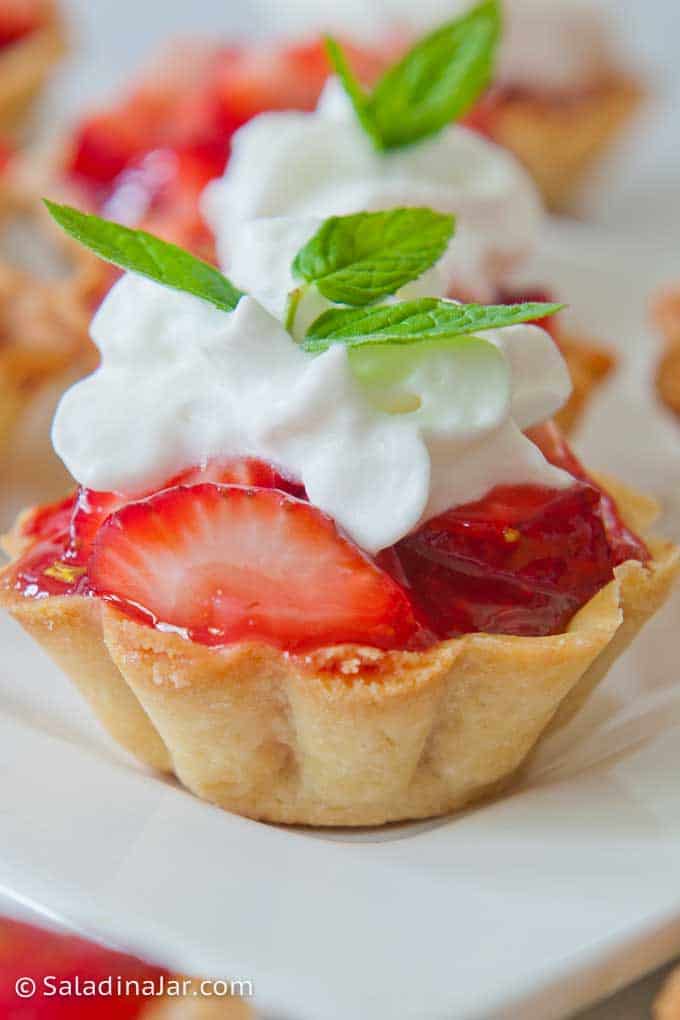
(358, 259)
(435, 83)
(411, 322)
(142, 253)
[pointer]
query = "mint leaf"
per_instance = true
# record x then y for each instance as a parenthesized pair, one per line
(358, 259)
(147, 255)
(413, 321)
(439, 80)
(353, 88)
(435, 83)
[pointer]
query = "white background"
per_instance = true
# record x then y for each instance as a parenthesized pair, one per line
(638, 195)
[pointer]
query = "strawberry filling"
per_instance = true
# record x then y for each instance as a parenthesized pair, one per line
(233, 551)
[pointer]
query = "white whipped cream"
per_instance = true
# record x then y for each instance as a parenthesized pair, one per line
(302, 165)
(555, 45)
(181, 382)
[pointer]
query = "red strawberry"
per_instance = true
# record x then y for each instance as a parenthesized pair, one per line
(20, 17)
(252, 81)
(226, 563)
(246, 471)
(26, 951)
(624, 544)
(521, 561)
(92, 508)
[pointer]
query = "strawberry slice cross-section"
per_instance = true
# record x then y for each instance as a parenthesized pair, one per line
(224, 563)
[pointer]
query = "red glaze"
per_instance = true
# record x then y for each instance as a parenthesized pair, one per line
(624, 544)
(522, 561)
(26, 951)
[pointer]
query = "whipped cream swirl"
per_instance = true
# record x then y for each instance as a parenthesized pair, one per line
(321, 164)
(181, 382)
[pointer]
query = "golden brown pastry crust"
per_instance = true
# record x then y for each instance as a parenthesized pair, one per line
(197, 1006)
(589, 366)
(25, 66)
(43, 322)
(666, 315)
(346, 735)
(667, 1004)
(559, 139)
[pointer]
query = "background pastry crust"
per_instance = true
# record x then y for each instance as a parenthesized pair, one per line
(24, 68)
(559, 139)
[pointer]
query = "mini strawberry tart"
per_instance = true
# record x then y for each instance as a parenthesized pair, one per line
(338, 572)
(31, 41)
(666, 312)
(560, 95)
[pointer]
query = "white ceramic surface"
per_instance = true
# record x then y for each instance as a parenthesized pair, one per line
(532, 906)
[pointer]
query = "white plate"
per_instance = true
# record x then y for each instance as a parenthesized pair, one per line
(532, 906)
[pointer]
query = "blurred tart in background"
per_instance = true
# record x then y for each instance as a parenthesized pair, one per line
(666, 314)
(146, 160)
(31, 42)
(562, 96)
(44, 312)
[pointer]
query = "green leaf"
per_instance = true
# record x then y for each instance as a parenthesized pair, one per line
(435, 83)
(413, 321)
(353, 88)
(438, 80)
(358, 259)
(147, 255)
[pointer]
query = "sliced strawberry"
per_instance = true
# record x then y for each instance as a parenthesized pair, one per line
(92, 508)
(89, 513)
(19, 18)
(624, 544)
(521, 561)
(245, 471)
(225, 563)
(65, 960)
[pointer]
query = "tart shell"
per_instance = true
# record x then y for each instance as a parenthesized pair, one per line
(345, 735)
(589, 366)
(195, 1006)
(43, 321)
(559, 139)
(24, 68)
(666, 314)
(667, 1004)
